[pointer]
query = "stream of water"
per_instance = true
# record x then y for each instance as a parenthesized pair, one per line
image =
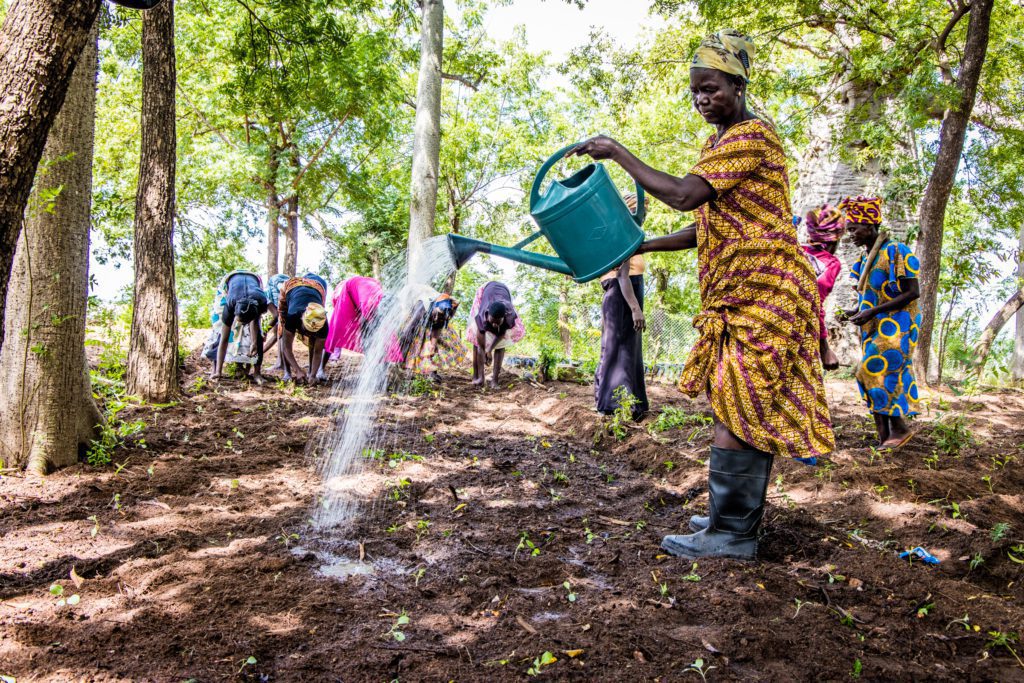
(355, 399)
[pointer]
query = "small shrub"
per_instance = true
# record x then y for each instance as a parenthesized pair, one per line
(952, 434)
(671, 417)
(547, 364)
(623, 413)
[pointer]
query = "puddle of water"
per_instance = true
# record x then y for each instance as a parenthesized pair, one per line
(548, 616)
(342, 568)
(336, 566)
(340, 563)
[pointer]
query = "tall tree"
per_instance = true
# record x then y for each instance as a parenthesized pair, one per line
(427, 136)
(1017, 365)
(153, 351)
(940, 184)
(40, 41)
(49, 414)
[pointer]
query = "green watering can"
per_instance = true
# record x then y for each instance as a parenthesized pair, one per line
(584, 218)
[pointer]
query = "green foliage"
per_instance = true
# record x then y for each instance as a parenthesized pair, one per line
(952, 434)
(525, 544)
(623, 414)
(671, 417)
(547, 364)
(546, 659)
(109, 391)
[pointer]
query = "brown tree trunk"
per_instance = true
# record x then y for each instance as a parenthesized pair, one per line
(40, 41)
(291, 236)
(991, 331)
(273, 232)
(48, 414)
(273, 203)
(375, 266)
(291, 231)
(936, 195)
(153, 351)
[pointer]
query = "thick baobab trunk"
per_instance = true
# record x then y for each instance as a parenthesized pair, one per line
(427, 135)
(936, 194)
(1017, 366)
(995, 325)
(153, 351)
(826, 176)
(49, 415)
(40, 41)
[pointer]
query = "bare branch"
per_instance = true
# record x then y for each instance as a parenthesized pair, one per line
(472, 85)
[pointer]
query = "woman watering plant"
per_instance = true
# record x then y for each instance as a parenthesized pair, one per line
(757, 355)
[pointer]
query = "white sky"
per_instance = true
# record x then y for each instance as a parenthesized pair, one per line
(551, 26)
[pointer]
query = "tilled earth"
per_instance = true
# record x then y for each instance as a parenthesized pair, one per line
(500, 526)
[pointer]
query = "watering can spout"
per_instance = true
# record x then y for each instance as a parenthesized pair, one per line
(463, 248)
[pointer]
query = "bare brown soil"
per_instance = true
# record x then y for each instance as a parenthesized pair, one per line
(199, 563)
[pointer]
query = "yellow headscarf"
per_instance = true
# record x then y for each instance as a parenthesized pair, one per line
(727, 50)
(314, 317)
(862, 209)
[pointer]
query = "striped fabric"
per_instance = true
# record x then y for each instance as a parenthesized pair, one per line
(757, 355)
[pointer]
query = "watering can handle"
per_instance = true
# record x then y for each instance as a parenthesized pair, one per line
(638, 215)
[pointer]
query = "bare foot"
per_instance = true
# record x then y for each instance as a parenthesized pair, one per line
(215, 375)
(321, 376)
(478, 381)
(493, 385)
(258, 379)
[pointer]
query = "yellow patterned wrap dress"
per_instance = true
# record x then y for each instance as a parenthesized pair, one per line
(757, 355)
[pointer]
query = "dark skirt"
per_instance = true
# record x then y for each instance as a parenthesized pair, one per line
(622, 355)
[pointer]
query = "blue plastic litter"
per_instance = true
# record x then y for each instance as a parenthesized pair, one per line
(922, 554)
(812, 461)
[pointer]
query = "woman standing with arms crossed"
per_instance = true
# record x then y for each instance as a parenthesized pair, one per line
(757, 355)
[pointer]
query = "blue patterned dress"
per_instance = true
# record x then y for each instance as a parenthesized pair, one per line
(886, 372)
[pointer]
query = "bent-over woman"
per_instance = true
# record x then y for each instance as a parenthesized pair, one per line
(428, 343)
(493, 327)
(238, 305)
(302, 313)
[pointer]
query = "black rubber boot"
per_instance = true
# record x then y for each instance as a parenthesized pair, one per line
(737, 486)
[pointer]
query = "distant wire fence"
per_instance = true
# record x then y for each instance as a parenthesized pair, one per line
(570, 338)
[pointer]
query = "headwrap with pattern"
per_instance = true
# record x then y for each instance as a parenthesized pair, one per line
(825, 225)
(727, 50)
(314, 317)
(862, 209)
